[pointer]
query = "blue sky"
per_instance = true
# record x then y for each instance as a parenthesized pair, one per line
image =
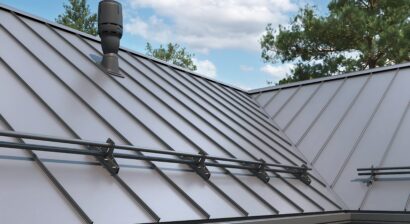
(223, 34)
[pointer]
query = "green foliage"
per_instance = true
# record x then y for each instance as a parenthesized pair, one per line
(355, 35)
(174, 54)
(77, 15)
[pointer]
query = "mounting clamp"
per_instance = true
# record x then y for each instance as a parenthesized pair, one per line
(260, 171)
(371, 178)
(301, 174)
(107, 159)
(199, 166)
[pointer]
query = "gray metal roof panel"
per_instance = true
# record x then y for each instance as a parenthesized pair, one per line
(27, 196)
(353, 122)
(52, 84)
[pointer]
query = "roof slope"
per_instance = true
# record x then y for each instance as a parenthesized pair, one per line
(51, 84)
(347, 122)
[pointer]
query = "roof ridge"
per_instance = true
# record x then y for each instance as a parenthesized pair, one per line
(94, 38)
(331, 78)
(252, 91)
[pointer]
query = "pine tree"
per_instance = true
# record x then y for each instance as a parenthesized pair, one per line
(174, 54)
(77, 15)
(355, 35)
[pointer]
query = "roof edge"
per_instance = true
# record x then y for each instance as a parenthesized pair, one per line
(94, 38)
(331, 78)
(312, 217)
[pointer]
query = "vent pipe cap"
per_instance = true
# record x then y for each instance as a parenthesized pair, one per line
(110, 32)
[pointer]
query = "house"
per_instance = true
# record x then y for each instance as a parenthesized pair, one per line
(163, 144)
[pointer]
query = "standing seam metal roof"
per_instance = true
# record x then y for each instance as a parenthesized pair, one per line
(348, 122)
(52, 85)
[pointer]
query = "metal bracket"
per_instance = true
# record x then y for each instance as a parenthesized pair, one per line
(108, 159)
(199, 166)
(371, 178)
(301, 174)
(260, 171)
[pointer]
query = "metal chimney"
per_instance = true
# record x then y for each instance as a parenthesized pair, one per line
(110, 32)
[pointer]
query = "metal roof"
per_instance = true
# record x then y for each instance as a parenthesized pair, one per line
(51, 84)
(331, 78)
(347, 122)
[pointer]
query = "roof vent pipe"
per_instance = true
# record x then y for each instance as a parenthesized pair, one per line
(110, 32)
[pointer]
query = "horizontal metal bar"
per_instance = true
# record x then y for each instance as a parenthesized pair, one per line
(129, 156)
(383, 173)
(13, 145)
(385, 168)
(89, 152)
(136, 149)
(247, 167)
(256, 163)
(51, 139)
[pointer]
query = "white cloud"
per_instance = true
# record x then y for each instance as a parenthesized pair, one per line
(207, 24)
(205, 67)
(246, 68)
(153, 29)
(277, 72)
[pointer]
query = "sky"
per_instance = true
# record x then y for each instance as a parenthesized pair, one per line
(223, 34)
